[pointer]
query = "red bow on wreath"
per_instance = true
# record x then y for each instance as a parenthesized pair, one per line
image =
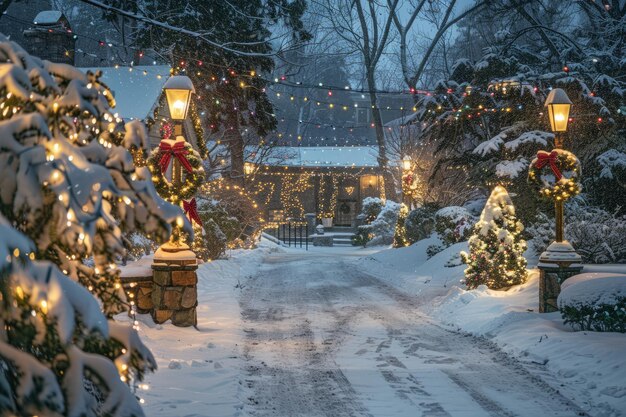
(545, 158)
(178, 150)
(191, 210)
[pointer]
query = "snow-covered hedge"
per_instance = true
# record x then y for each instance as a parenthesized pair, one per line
(597, 235)
(382, 229)
(594, 301)
(419, 223)
(454, 224)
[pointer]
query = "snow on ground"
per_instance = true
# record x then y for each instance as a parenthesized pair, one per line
(588, 367)
(199, 370)
(410, 269)
(206, 372)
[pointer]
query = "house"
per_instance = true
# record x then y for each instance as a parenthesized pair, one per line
(330, 181)
(44, 33)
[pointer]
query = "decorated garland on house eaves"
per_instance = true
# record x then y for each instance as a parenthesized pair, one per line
(556, 174)
(160, 161)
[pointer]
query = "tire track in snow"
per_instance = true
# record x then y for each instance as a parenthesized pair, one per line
(325, 340)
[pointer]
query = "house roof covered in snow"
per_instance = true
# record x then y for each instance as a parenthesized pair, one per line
(136, 92)
(323, 157)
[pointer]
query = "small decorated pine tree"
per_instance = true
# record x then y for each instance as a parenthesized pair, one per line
(400, 238)
(496, 246)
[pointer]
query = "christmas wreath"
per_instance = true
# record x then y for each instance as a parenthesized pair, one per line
(160, 161)
(556, 174)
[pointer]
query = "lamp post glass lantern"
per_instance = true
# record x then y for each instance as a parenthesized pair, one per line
(178, 89)
(558, 104)
(406, 163)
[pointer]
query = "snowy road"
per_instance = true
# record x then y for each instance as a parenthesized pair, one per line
(325, 340)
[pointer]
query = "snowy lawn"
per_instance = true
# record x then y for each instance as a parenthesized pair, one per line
(588, 367)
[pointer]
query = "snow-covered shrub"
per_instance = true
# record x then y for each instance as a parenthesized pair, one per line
(540, 233)
(453, 224)
(69, 183)
(419, 223)
(58, 353)
(496, 248)
(213, 241)
(381, 231)
(239, 205)
(361, 237)
(371, 208)
(597, 235)
(219, 228)
(594, 301)
(137, 246)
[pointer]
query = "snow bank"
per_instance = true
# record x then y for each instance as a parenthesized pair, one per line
(593, 288)
(587, 367)
(413, 271)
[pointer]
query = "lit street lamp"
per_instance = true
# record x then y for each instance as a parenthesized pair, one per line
(558, 104)
(406, 163)
(178, 90)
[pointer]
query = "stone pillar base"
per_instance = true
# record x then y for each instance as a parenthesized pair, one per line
(556, 264)
(175, 294)
(139, 290)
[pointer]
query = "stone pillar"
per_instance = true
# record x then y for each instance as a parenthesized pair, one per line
(175, 292)
(556, 264)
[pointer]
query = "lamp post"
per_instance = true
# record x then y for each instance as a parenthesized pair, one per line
(559, 261)
(174, 280)
(558, 104)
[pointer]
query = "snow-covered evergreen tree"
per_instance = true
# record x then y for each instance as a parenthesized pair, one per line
(496, 256)
(69, 190)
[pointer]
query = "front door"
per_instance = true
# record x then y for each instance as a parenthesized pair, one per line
(346, 209)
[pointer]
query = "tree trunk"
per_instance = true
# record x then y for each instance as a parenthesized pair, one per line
(235, 144)
(383, 161)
